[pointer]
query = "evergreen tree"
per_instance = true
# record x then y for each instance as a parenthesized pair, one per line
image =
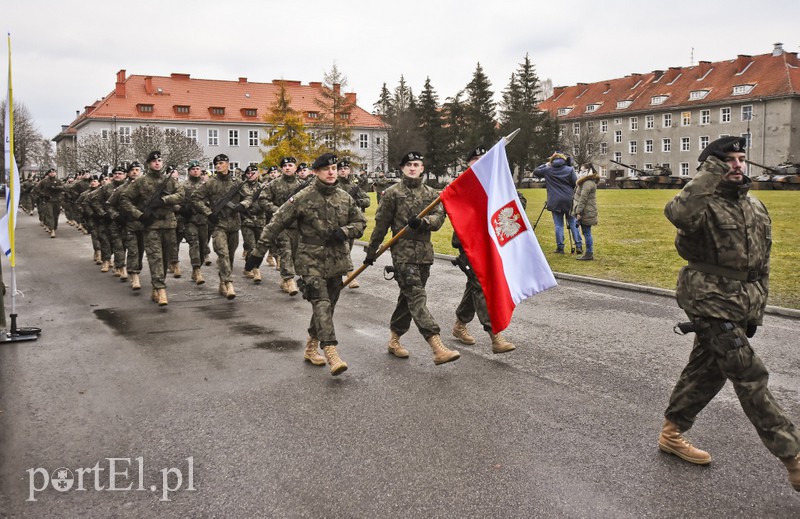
(433, 134)
(286, 134)
(335, 109)
(480, 111)
(384, 107)
(404, 134)
(454, 115)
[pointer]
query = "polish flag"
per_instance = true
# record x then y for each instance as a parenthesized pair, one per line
(496, 235)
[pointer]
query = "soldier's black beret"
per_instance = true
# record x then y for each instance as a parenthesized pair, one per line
(120, 167)
(302, 165)
(272, 168)
(153, 156)
(193, 164)
(288, 160)
(95, 177)
(134, 164)
(720, 147)
(480, 151)
(411, 155)
(344, 163)
(250, 168)
(50, 170)
(221, 158)
(326, 159)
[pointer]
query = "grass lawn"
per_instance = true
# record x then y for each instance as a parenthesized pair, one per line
(634, 241)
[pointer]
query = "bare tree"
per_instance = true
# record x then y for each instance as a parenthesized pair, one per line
(175, 147)
(26, 137)
(42, 155)
(582, 141)
(94, 152)
(335, 109)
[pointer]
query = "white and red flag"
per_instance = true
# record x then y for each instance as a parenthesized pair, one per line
(496, 235)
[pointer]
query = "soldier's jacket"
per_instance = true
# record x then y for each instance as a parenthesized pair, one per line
(206, 197)
(82, 205)
(98, 199)
(73, 191)
(135, 197)
(317, 211)
(115, 209)
(399, 203)
(720, 225)
(351, 184)
(277, 192)
(256, 214)
(49, 189)
(188, 210)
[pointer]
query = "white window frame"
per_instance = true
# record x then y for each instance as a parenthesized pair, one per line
(649, 122)
(666, 145)
(666, 121)
(648, 146)
(252, 138)
(686, 118)
(212, 136)
(703, 141)
(124, 133)
(684, 169)
(750, 111)
(192, 134)
(363, 141)
(725, 114)
(576, 128)
(604, 126)
(617, 136)
(634, 124)
(685, 144)
(603, 148)
(105, 134)
(633, 147)
(233, 137)
(705, 117)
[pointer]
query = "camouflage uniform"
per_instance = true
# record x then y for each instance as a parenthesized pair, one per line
(725, 235)
(276, 194)
(412, 255)
(196, 224)
(159, 234)
(99, 202)
(254, 219)
(131, 229)
(318, 211)
(85, 213)
(380, 185)
(25, 197)
(50, 190)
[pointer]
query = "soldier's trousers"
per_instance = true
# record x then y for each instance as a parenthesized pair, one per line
(134, 243)
(197, 237)
(473, 300)
(322, 293)
(412, 303)
(94, 233)
(115, 236)
(158, 244)
(722, 352)
(180, 234)
(250, 235)
(225, 244)
(287, 244)
(50, 212)
(103, 238)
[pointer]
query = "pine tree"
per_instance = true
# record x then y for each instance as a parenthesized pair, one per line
(454, 114)
(335, 109)
(404, 134)
(433, 135)
(286, 133)
(384, 107)
(480, 111)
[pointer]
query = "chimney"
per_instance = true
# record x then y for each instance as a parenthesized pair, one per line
(557, 91)
(242, 80)
(657, 74)
(119, 91)
(148, 85)
(606, 87)
(742, 61)
(77, 113)
(177, 75)
(792, 58)
(702, 68)
(89, 109)
(315, 84)
(778, 50)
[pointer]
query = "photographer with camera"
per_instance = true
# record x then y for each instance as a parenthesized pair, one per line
(560, 181)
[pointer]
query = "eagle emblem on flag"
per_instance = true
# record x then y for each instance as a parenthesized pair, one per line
(507, 223)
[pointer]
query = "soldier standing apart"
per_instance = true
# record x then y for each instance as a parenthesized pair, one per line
(412, 255)
(276, 194)
(50, 190)
(725, 235)
(560, 180)
(473, 301)
(351, 186)
(222, 202)
(150, 200)
(195, 224)
(253, 220)
(326, 219)
(584, 206)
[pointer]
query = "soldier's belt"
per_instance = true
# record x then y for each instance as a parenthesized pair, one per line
(310, 240)
(739, 275)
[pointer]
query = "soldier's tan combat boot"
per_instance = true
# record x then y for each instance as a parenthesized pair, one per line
(461, 333)
(312, 352)
(270, 260)
(277, 264)
(289, 286)
(354, 283)
(672, 441)
(197, 277)
(223, 290)
(135, 284)
(440, 353)
(154, 295)
(207, 260)
(395, 348)
(256, 275)
(123, 274)
(96, 258)
(793, 466)
(52, 233)
(106, 266)
(230, 294)
(500, 344)
(162, 297)
(115, 272)
(335, 362)
(171, 267)
(176, 270)
(248, 274)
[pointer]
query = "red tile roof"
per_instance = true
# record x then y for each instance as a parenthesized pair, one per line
(770, 76)
(238, 98)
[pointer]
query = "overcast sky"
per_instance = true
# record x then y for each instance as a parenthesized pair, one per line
(66, 55)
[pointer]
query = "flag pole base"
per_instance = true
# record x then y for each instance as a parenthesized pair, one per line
(19, 334)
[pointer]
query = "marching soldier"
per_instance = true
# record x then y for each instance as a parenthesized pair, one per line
(85, 213)
(195, 223)
(351, 185)
(412, 255)
(50, 190)
(380, 185)
(326, 219)
(254, 219)
(180, 230)
(303, 173)
(221, 200)
(132, 230)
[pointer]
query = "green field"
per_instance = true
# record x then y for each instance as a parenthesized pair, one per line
(634, 241)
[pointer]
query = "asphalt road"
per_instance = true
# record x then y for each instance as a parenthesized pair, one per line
(216, 391)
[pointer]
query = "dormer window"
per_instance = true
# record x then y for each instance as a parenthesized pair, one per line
(739, 90)
(694, 95)
(624, 104)
(182, 109)
(217, 110)
(344, 116)
(313, 115)
(249, 112)
(145, 109)
(657, 100)
(592, 107)
(564, 111)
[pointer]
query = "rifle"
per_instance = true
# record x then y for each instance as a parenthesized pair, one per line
(631, 167)
(225, 200)
(148, 208)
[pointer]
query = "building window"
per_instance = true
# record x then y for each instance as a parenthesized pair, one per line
(624, 104)
(603, 148)
(684, 169)
(104, 134)
(591, 108)
(634, 124)
(576, 128)
(666, 145)
(694, 95)
(686, 118)
(590, 126)
(685, 144)
(233, 137)
(617, 156)
(173, 131)
(181, 109)
(632, 147)
(564, 111)
(344, 116)
(648, 166)
(649, 122)
(725, 115)
(704, 140)
(617, 121)
(705, 117)
(234, 166)
(747, 113)
(217, 110)
(748, 140)
(250, 112)
(378, 141)
(252, 137)
(648, 146)
(313, 115)
(667, 167)
(657, 100)
(604, 126)
(124, 134)
(363, 141)
(618, 136)
(632, 170)
(666, 121)
(562, 130)
(145, 109)
(742, 89)
(192, 133)
(213, 137)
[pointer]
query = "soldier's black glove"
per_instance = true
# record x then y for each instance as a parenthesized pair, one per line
(414, 222)
(751, 330)
(253, 262)
(240, 208)
(339, 235)
(370, 259)
(158, 202)
(213, 219)
(147, 219)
